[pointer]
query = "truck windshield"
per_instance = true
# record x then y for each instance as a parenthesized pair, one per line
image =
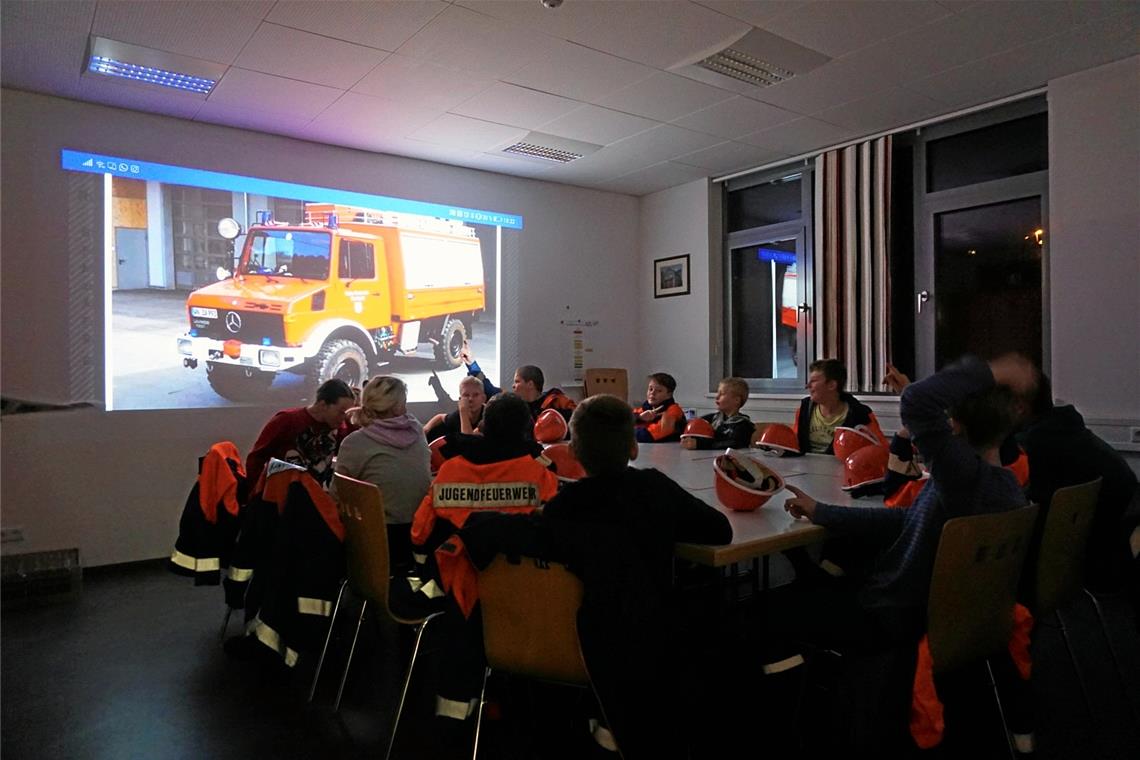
(288, 253)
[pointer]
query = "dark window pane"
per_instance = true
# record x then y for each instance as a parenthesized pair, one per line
(356, 261)
(764, 296)
(988, 280)
(1003, 150)
(769, 203)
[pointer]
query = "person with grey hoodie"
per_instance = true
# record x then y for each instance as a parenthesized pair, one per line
(389, 450)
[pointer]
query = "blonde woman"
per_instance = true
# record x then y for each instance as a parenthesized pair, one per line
(389, 450)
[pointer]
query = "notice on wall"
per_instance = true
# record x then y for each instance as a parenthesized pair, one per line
(579, 334)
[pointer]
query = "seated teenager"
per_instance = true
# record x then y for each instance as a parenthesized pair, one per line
(306, 435)
(659, 419)
(616, 529)
(732, 427)
(527, 384)
(827, 406)
(466, 417)
(497, 472)
(887, 608)
(389, 450)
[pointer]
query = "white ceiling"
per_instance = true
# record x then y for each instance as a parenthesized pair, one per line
(457, 81)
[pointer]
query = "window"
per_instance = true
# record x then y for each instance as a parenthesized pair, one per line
(765, 259)
(356, 261)
(198, 248)
(980, 219)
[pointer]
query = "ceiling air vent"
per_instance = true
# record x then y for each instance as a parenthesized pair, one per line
(758, 59)
(549, 149)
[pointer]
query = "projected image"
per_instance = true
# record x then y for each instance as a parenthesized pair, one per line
(225, 289)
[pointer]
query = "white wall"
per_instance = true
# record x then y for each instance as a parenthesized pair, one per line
(1094, 260)
(1094, 244)
(113, 484)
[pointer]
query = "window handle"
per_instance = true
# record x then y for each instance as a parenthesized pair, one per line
(803, 308)
(920, 298)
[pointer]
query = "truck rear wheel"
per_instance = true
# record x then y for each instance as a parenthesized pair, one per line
(238, 383)
(340, 359)
(448, 352)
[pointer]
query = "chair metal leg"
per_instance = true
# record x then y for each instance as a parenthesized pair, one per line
(479, 713)
(328, 637)
(225, 623)
(407, 681)
(351, 651)
(1001, 712)
(1111, 650)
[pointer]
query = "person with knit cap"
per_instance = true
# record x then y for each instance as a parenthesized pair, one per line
(389, 450)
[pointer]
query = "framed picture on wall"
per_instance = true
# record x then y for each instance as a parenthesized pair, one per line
(671, 276)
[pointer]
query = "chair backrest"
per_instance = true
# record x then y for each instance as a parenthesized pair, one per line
(530, 620)
(612, 381)
(366, 537)
(974, 585)
(1061, 554)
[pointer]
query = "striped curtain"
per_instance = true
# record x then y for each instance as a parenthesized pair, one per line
(852, 277)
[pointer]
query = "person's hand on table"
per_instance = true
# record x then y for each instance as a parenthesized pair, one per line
(800, 505)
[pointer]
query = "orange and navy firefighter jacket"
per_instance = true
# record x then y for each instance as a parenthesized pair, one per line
(210, 519)
(858, 414)
(515, 485)
(668, 427)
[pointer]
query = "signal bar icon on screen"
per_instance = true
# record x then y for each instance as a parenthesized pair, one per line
(88, 162)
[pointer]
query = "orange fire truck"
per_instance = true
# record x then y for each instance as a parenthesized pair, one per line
(334, 295)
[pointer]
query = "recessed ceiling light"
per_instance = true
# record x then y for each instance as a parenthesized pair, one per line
(143, 65)
(546, 148)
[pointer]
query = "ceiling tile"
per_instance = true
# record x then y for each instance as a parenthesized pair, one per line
(210, 31)
(383, 25)
(368, 122)
(517, 106)
(467, 133)
(653, 178)
(664, 142)
(474, 44)
(43, 46)
(800, 136)
(884, 110)
(831, 84)
(594, 124)
(836, 29)
(577, 72)
(420, 83)
(664, 97)
(729, 157)
(308, 57)
(256, 91)
(139, 97)
(755, 12)
(735, 117)
(244, 117)
(654, 33)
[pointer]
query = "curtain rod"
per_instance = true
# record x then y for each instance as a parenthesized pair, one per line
(895, 130)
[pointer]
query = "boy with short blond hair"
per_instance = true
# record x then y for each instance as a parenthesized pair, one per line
(733, 428)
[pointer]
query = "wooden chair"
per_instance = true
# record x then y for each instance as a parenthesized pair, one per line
(612, 381)
(530, 624)
(1057, 576)
(366, 537)
(974, 587)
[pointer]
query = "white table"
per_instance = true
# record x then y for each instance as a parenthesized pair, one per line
(763, 531)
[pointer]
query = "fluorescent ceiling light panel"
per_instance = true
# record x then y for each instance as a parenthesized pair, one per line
(144, 65)
(758, 59)
(549, 149)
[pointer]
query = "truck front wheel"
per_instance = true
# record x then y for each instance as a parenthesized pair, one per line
(340, 359)
(238, 383)
(448, 352)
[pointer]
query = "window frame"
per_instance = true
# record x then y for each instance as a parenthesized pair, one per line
(720, 364)
(928, 205)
